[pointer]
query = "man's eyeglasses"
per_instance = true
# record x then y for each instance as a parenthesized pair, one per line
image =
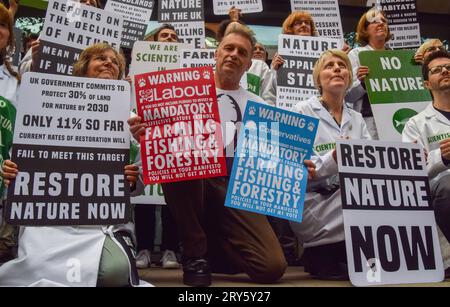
(438, 69)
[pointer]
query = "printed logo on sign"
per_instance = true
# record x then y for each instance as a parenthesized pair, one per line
(311, 126)
(374, 272)
(206, 75)
(73, 274)
(142, 82)
(401, 117)
(252, 111)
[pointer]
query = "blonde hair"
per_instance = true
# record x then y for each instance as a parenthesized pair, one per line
(8, 51)
(362, 36)
(318, 66)
(81, 66)
(427, 44)
(295, 16)
(240, 29)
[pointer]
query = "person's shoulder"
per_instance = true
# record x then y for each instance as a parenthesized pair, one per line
(251, 96)
(306, 106)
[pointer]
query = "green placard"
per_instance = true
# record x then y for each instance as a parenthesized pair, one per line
(393, 77)
(38, 4)
(7, 118)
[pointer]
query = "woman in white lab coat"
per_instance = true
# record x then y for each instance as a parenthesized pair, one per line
(322, 231)
(372, 33)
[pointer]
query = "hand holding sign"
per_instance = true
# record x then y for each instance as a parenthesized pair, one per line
(445, 149)
(9, 172)
(137, 128)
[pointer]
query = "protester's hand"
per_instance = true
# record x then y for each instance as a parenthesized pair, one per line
(363, 71)
(346, 48)
(277, 61)
(235, 13)
(128, 78)
(137, 128)
(418, 57)
(9, 172)
(445, 149)
(34, 54)
(132, 174)
(311, 169)
(13, 7)
(334, 154)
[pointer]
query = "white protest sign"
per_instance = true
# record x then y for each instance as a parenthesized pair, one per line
(71, 145)
(155, 56)
(390, 228)
(403, 22)
(295, 81)
(188, 19)
(191, 58)
(136, 16)
(325, 13)
(69, 28)
(221, 7)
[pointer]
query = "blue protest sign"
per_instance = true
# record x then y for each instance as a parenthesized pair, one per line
(268, 175)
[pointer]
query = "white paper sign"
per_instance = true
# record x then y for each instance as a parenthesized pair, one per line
(390, 228)
(221, 7)
(325, 13)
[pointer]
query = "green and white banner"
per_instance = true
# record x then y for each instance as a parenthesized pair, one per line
(395, 88)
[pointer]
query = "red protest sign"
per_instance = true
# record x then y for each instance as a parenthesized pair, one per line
(183, 139)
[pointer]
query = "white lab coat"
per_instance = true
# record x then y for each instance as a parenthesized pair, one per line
(322, 216)
(425, 128)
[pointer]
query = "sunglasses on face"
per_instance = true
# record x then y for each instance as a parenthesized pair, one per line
(438, 69)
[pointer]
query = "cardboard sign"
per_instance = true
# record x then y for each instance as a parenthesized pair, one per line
(183, 140)
(188, 19)
(136, 15)
(71, 146)
(69, 28)
(395, 89)
(221, 7)
(325, 13)
(268, 175)
(390, 229)
(295, 81)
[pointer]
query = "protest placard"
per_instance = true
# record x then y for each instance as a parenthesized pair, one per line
(136, 16)
(71, 145)
(325, 14)
(390, 229)
(221, 7)
(187, 17)
(295, 81)
(7, 118)
(183, 140)
(152, 195)
(268, 175)
(403, 23)
(395, 88)
(155, 56)
(69, 28)
(191, 58)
